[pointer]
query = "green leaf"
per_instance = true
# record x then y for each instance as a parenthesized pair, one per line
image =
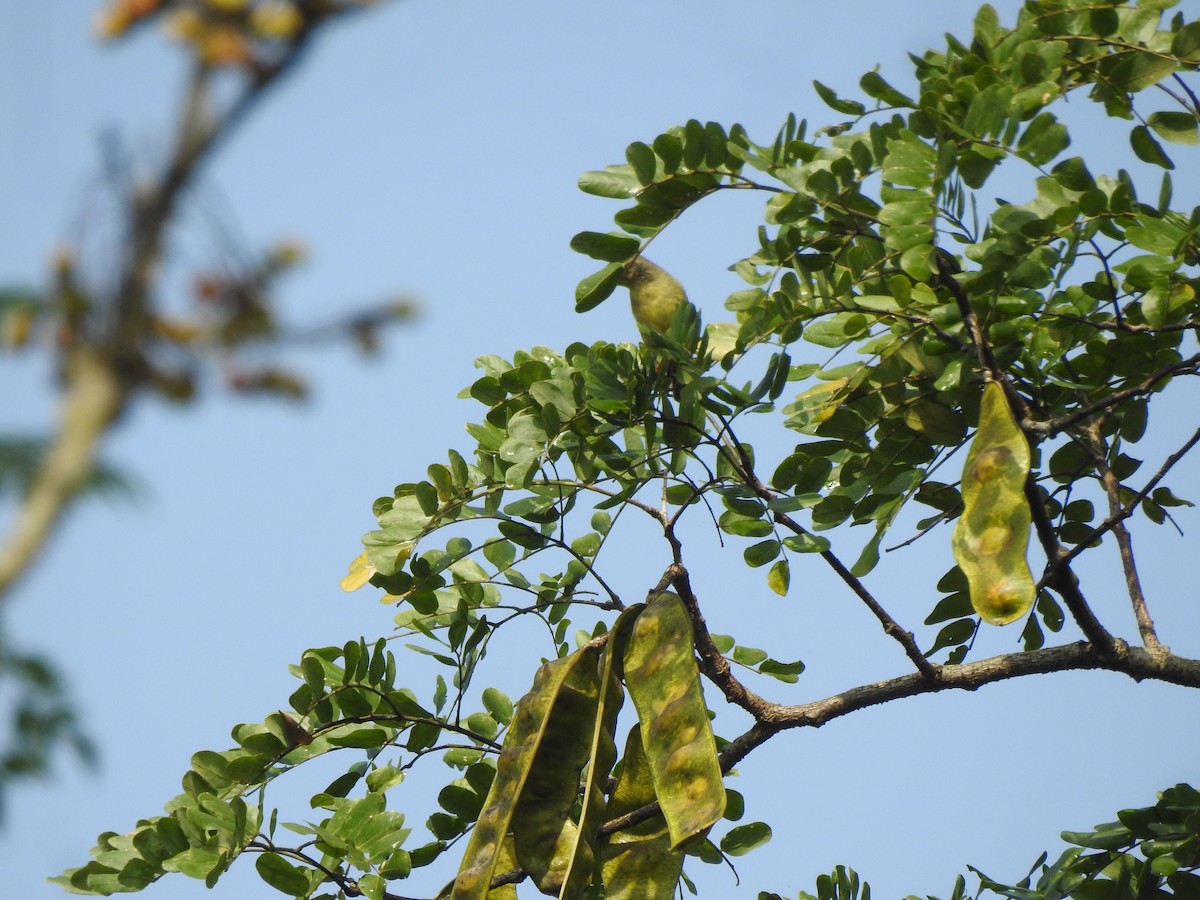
(384, 778)
(785, 672)
(643, 161)
(761, 553)
(834, 102)
(497, 703)
(741, 839)
(1147, 148)
(1176, 127)
(615, 182)
(281, 874)
(874, 86)
(669, 148)
(807, 543)
(953, 634)
(1186, 43)
(918, 262)
(1043, 139)
(605, 247)
(748, 656)
(779, 577)
(596, 288)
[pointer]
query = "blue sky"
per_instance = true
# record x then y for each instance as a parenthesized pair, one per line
(432, 149)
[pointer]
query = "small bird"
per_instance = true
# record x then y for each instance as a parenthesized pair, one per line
(654, 295)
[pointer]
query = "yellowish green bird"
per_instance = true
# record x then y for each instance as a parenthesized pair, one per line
(654, 294)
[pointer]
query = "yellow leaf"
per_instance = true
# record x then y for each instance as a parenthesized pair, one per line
(360, 573)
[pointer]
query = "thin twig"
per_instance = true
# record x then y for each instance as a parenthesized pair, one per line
(1050, 427)
(1061, 579)
(1129, 508)
(890, 625)
(1133, 584)
(983, 350)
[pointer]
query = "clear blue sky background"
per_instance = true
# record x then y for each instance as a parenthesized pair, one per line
(432, 148)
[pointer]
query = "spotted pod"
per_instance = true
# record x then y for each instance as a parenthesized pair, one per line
(602, 754)
(537, 778)
(638, 863)
(992, 534)
(546, 835)
(664, 683)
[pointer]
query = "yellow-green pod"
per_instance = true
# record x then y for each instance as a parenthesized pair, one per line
(538, 760)
(638, 862)
(992, 535)
(664, 684)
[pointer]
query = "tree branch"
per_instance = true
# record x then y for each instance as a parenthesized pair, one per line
(1058, 575)
(1141, 495)
(1139, 664)
(1051, 427)
(712, 662)
(1133, 584)
(890, 626)
(92, 399)
(983, 350)
(101, 371)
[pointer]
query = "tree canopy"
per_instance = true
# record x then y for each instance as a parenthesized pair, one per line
(938, 366)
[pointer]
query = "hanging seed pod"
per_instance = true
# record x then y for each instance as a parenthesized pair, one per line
(992, 535)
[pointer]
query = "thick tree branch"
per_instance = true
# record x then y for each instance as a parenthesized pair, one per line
(91, 400)
(1139, 664)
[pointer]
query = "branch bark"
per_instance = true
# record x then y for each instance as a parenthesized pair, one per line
(91, 401)
(1139, 664)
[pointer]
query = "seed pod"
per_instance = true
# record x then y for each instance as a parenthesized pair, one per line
(992, 534)
(537, 777)
(664, 685)
(638, 862)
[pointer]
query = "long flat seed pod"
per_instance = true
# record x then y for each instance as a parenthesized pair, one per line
(519, 760)
(664, 683)
(637, 863)
(602, 753)
(507, 861)
(545, 834)
(992, 534)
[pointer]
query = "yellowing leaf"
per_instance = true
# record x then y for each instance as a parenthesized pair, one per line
(992, 535)
(779, 577)
(360, 573)
(823, 400)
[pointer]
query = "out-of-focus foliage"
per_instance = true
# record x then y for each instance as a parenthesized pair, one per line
(112, 330)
